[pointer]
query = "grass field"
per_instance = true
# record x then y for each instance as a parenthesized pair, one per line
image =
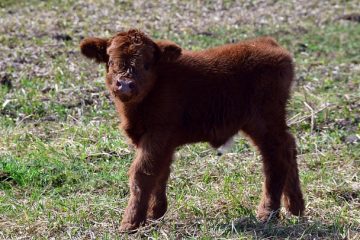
(63, 162)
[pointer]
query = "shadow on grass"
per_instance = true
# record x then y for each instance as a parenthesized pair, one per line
(299, 229)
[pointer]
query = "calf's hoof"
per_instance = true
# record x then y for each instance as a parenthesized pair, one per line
(265, 215)
(154, 215)
(126, 227)
(295, 207)
(157, 211)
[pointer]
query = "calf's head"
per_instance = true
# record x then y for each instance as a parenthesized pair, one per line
(132, 60)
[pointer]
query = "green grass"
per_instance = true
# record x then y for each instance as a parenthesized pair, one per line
(63, 161)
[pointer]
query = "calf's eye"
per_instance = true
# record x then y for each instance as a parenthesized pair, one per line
(111, 63)
(132, 69)
(146, 66)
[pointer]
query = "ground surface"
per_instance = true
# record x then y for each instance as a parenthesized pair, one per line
(63, 161)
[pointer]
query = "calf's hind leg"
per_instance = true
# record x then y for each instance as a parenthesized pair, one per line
(292, 196)
(273, 145)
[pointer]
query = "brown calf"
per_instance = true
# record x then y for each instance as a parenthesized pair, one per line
(167, 97)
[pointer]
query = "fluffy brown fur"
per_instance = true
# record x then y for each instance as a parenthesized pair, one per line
(167, 97)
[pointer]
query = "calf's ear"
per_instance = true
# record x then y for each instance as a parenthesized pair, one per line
(168, 50)
(95, 48)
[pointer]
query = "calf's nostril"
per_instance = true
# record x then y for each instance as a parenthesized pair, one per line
(118, 83)
(131, 85)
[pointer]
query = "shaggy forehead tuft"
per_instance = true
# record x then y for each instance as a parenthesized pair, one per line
(127, 42)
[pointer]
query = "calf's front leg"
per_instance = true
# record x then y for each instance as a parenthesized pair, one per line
(151, 160)
(158, 200)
